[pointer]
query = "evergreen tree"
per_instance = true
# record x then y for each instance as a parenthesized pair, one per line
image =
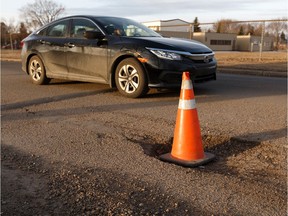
(196, 24)
(241, 31)
(283, 37)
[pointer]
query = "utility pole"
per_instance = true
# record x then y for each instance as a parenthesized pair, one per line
(191, 30)
(262, 40)
(11, 41)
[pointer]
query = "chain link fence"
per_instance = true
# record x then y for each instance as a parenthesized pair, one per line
(228, 35)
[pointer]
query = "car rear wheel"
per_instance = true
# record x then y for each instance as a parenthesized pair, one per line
(37, 71)
(131, 80)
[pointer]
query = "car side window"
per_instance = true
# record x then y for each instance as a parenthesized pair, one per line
(42, 32)
(58, 29)
(80, 26)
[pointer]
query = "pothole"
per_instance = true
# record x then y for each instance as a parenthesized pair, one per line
(223, 147)
(220, 145)
(229, 152)
(152, 146)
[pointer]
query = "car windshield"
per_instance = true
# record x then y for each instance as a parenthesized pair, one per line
(125, 27)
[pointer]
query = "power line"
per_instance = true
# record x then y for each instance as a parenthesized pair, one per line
(249, 21)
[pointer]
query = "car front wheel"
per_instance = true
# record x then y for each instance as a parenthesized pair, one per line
(131, 80)
(36, 71)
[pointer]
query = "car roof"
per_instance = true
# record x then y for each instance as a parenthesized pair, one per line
(75, 16)
(81, 16)
(88, 16)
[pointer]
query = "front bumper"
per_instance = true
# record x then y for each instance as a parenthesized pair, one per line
(165, 78)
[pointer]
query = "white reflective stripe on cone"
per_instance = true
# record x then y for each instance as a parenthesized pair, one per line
(186, 84)
(187, 104)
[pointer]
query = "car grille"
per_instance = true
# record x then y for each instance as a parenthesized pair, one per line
(201, 58)
(173, 78)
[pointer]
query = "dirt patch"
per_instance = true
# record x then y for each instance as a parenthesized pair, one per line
(230, 58)
(11, 55)
(268, 64)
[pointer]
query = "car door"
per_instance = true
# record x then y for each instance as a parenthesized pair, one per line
(52, 48)
(86, 58)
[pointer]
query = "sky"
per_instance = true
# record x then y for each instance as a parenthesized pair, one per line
(151, 10)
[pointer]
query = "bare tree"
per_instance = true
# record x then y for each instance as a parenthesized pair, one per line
(226, 26)
(11, 25)
(254, 29)
(4, 34)
(275, 28)
(9, 32)
(41, 12)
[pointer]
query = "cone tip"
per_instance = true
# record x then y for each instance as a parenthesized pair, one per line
(186, 76)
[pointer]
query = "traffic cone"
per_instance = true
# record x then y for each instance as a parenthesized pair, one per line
(187, 148)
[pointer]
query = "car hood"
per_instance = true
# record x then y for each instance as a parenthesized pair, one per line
(173, 44)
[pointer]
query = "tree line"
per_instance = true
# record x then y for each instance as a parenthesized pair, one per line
(276, 29)
(33, 15)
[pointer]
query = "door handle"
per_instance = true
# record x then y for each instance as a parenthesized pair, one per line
(45, 42)
(70, 45)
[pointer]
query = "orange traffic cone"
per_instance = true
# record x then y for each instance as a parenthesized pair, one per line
(187, 148)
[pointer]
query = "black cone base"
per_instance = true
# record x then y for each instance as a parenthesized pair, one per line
(193, 163)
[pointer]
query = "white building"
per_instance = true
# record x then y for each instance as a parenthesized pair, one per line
(217, 41)
(177, 25)
(252, 43)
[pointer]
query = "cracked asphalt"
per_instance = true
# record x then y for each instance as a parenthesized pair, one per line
(72, 148)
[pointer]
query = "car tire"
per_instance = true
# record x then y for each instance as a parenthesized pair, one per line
(37, 71)
(131, 79)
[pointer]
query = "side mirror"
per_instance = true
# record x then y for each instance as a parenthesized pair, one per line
(94, 35)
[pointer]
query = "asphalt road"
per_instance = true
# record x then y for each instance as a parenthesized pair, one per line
(88, 150)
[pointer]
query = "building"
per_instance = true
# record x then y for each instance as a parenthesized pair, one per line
(217, 41)
(252, 43)
(174, 25)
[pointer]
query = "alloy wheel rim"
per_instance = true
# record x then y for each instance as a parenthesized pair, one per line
(128, 79)
(35, 70)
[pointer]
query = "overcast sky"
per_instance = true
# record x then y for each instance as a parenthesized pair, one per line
(150, 10)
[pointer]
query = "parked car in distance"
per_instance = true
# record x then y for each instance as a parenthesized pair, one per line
(115, 51)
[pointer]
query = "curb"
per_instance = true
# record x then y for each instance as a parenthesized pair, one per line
(253, 72)
(10, 60)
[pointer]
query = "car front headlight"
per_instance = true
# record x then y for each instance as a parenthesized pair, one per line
(166, 54)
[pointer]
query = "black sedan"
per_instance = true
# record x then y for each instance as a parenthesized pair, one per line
(115, 51)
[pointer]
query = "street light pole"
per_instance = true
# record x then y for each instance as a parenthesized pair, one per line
(262, 40)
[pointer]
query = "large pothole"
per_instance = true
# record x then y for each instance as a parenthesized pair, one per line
(220, 145)
(230, 152)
